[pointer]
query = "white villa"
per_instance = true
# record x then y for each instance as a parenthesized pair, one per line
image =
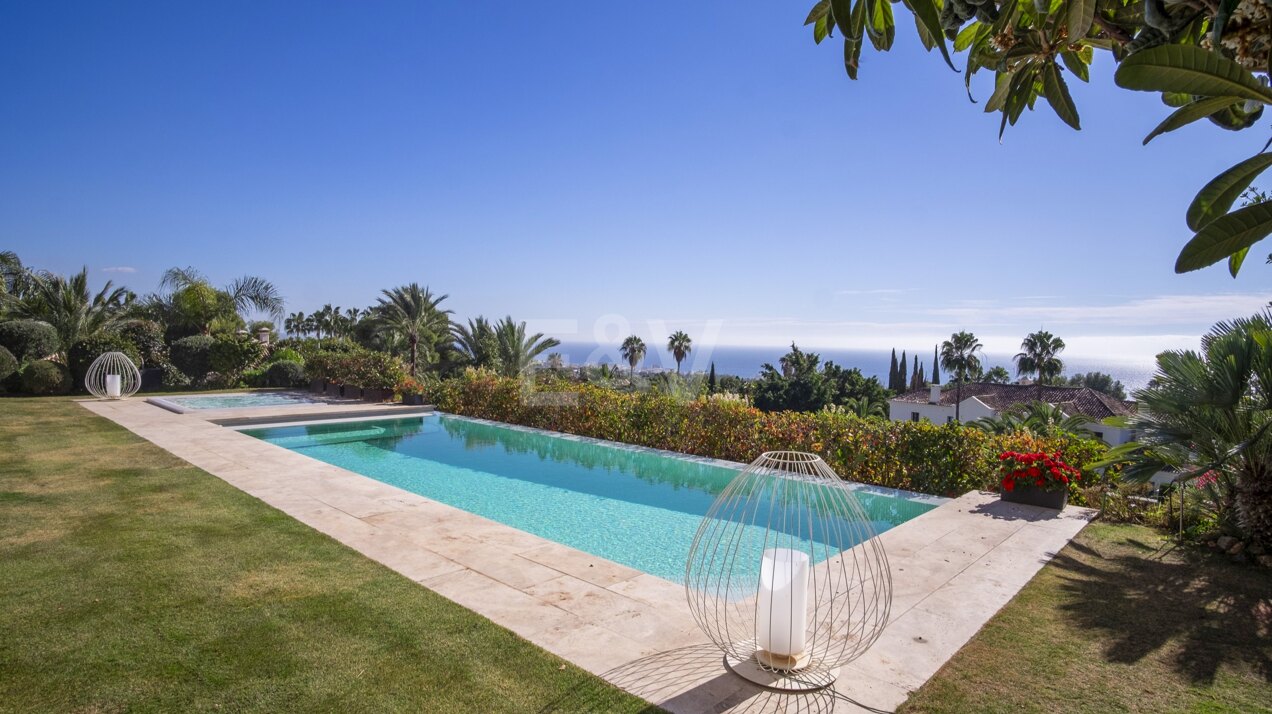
(988, 400)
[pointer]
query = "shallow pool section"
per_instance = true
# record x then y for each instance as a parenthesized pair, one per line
(634, 506)
(240, 400)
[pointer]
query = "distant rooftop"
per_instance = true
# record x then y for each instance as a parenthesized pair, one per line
(1002, 397)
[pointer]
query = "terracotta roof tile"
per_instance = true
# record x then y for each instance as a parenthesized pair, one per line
(1001, 397)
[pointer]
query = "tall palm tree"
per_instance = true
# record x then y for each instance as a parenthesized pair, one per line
(679, 345)
(633, 350)
(67, 304)
(193, 301)
(518, 350)
(1211, 412)
(958, 358)
(413, 312)
(295, 323)
(477, 342)
(1039, 356)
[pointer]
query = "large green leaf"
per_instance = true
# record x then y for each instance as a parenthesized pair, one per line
(1058, 95)
(1079, 67)
(1190, 113)
(1225, 236)
(1235, 260)
(929, 18)
(880, 25)
(842, 10)
(818, 12)
(1216, 197)
(1190, 69)
(1081, 15)
(853, 38)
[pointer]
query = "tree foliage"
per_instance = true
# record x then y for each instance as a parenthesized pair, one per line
(1100, 382)
(1201, 55)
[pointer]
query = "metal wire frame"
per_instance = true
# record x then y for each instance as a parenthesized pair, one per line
(789, 499)
(112, 363)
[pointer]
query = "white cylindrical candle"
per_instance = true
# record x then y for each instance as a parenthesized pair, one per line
(781, 616)
(114, 385)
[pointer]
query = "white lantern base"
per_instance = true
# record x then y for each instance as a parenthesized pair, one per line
(780, 680)
(786, 663)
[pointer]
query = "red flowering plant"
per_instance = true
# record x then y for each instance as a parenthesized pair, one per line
(1046, 471)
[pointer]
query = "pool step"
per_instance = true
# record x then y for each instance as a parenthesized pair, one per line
(385, 411)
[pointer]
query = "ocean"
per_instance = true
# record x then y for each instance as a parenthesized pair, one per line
(746, 361)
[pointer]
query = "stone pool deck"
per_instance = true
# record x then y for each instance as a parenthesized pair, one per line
(952, 569)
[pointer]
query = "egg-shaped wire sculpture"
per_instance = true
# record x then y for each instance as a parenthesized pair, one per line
(112, 376)
(785, 574)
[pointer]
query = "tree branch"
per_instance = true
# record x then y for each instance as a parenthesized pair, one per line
(1113, 31)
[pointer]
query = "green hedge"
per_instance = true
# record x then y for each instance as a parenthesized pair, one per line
(83, 353)
(45, 377)
(358, 368)
(28, 340)
(192, 356)
(8, 364)
(945, 460)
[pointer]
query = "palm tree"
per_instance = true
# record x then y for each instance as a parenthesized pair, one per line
(477, 342)
(958, 357)
(865, 407)
(194, 302)
(295, 323)
(413, 313)
(1210, 412)
(679, 345)
(68, 305)
(1039, 356)
(15, 278)
(633, 350)
(1005, 423)
(518, 350)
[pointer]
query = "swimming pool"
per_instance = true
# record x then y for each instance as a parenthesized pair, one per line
(637, 507)
(237, 400)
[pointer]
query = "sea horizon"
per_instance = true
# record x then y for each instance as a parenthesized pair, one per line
(747, 361)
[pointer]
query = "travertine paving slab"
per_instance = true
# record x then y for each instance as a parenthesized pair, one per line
(952, 569)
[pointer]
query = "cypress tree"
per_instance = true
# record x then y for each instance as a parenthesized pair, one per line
(922, 379)
(915, 374)
(892, 372)
(903, 377)
(711, 380)
(936, 367)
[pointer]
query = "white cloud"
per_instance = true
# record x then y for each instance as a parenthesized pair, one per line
(119, 269)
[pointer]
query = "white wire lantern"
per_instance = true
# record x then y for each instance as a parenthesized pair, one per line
(112, 376)
(785, 574)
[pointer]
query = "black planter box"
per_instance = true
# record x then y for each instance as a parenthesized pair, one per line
(414, 400)
(151, 379)
(373, 395)
(317, 386)
(334, 390)
(1031, 495)
(352, 392)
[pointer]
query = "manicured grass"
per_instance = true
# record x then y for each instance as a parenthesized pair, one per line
(131, 581)
(1119, 621)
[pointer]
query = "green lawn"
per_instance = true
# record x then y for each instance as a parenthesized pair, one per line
(131, 581)
(1119, 621)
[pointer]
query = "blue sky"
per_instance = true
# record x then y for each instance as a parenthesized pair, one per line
(589, 167)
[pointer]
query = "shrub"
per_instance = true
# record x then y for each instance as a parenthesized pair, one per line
(308, 346)
(174, 378)
(230, 355)
(946, 460)
(286, 354)
(44, 377)
(147, 337)
(254, 377)
(82, 354)
(285, 373)
(191, 355)
(8, 364)
(360, 368)
(28, 340)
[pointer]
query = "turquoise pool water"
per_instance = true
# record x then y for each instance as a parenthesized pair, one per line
(238, 401)
(633, 507)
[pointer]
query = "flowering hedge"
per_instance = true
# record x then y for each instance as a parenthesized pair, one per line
(946, 460)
